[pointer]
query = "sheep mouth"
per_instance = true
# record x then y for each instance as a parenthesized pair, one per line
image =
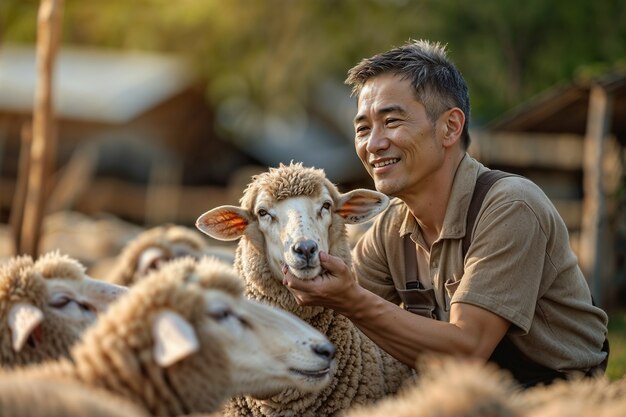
(315, 374)
(306, 272)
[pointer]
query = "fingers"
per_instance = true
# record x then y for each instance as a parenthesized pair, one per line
(333, 264)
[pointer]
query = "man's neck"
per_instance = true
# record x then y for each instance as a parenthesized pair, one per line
(429, 205)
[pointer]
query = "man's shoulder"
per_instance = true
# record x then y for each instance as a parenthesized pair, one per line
(392, 217)
(396, 210)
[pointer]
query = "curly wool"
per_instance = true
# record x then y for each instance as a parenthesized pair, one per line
(23, 281)
(116, 354)
(163, 237)
(364, 373)
(576, 397)
(450, 387)
(23, 396)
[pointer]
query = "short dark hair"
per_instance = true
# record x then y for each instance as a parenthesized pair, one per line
(438, 84)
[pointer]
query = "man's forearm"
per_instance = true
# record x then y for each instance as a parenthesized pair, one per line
(403, 334)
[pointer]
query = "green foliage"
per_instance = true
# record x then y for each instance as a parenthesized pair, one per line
(274, 51)
(617, 340)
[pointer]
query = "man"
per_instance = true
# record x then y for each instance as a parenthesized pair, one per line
(516, 296)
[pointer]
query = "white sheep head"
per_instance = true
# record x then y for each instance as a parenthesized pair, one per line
(154, 247)
(189, 324)
(47, 305)
(294, 212)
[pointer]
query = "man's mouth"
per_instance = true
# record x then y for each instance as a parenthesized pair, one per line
(386, 162)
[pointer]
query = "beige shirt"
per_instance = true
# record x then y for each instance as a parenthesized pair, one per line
(519, 266)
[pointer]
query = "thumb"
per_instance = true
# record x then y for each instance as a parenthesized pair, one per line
(331, 263)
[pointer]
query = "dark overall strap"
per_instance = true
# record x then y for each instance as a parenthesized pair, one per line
(483, 185)
(526, 371)
(414, 296)
(410, 261)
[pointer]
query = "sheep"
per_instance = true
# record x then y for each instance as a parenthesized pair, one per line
(184, 339)
(576, 397)
(23, 396)
(450, 387)
(456, 387)
(293, 209)
(46, 305)
(153, 247)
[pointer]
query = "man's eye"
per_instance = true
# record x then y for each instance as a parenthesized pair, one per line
(361, 129)
(391, 121)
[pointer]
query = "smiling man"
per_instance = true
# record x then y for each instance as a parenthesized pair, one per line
(441, 269)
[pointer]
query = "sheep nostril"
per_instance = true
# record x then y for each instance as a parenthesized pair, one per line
(325, 350)
(305, 248)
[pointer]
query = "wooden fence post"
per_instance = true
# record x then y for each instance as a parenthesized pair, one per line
(43, 145)
(594, 214)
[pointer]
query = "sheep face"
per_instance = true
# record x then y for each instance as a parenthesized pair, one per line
(189, 324)
(48, 305)
(298, 213)
(269, 349)
(152, 249)
(78, 301)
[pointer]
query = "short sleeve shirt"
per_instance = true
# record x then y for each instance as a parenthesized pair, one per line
(519, 266)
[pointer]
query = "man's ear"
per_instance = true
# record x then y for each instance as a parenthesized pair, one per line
(224, 222)
(361, 205)
(453, 121)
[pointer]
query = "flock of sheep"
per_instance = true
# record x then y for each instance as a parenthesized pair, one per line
(175, 328)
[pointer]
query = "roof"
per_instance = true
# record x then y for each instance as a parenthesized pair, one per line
(107, 86)
(321, 138)
(563, 109)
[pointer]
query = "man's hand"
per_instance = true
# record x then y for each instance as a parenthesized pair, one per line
(334, 288)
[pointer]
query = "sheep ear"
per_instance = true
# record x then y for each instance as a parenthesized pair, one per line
(174, 338)
(361, 205)
(23, 321)
(224, 222)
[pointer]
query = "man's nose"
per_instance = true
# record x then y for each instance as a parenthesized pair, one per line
(377, 140)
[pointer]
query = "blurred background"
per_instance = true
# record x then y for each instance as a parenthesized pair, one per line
(164, 109)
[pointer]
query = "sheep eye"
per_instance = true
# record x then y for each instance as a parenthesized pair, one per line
(60, 302)
(220, 314)
(326, 206)
(262, 213)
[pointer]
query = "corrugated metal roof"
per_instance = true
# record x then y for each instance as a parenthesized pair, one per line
(95, 85)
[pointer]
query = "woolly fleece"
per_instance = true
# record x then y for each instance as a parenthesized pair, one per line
(365, 372)
(449, 387)
(116, 354)
(22, 396)
(23, 281)
(125, 272)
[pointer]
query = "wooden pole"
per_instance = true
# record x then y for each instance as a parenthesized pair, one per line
(594, 215)
(44, 133)
(19, 196)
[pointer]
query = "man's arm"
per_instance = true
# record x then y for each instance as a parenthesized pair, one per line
(472, 331)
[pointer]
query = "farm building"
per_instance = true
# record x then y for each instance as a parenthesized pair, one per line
(571, 141)
(124, 120)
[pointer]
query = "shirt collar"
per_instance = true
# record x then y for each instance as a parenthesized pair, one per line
(458, 204)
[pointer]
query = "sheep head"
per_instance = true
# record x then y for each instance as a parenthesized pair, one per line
(47, 305)
(189, 324)
(154, 247)
(294, 212)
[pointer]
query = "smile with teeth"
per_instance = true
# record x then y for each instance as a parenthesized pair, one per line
(384, 163)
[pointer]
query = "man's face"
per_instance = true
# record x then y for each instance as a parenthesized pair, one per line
(394, 138)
